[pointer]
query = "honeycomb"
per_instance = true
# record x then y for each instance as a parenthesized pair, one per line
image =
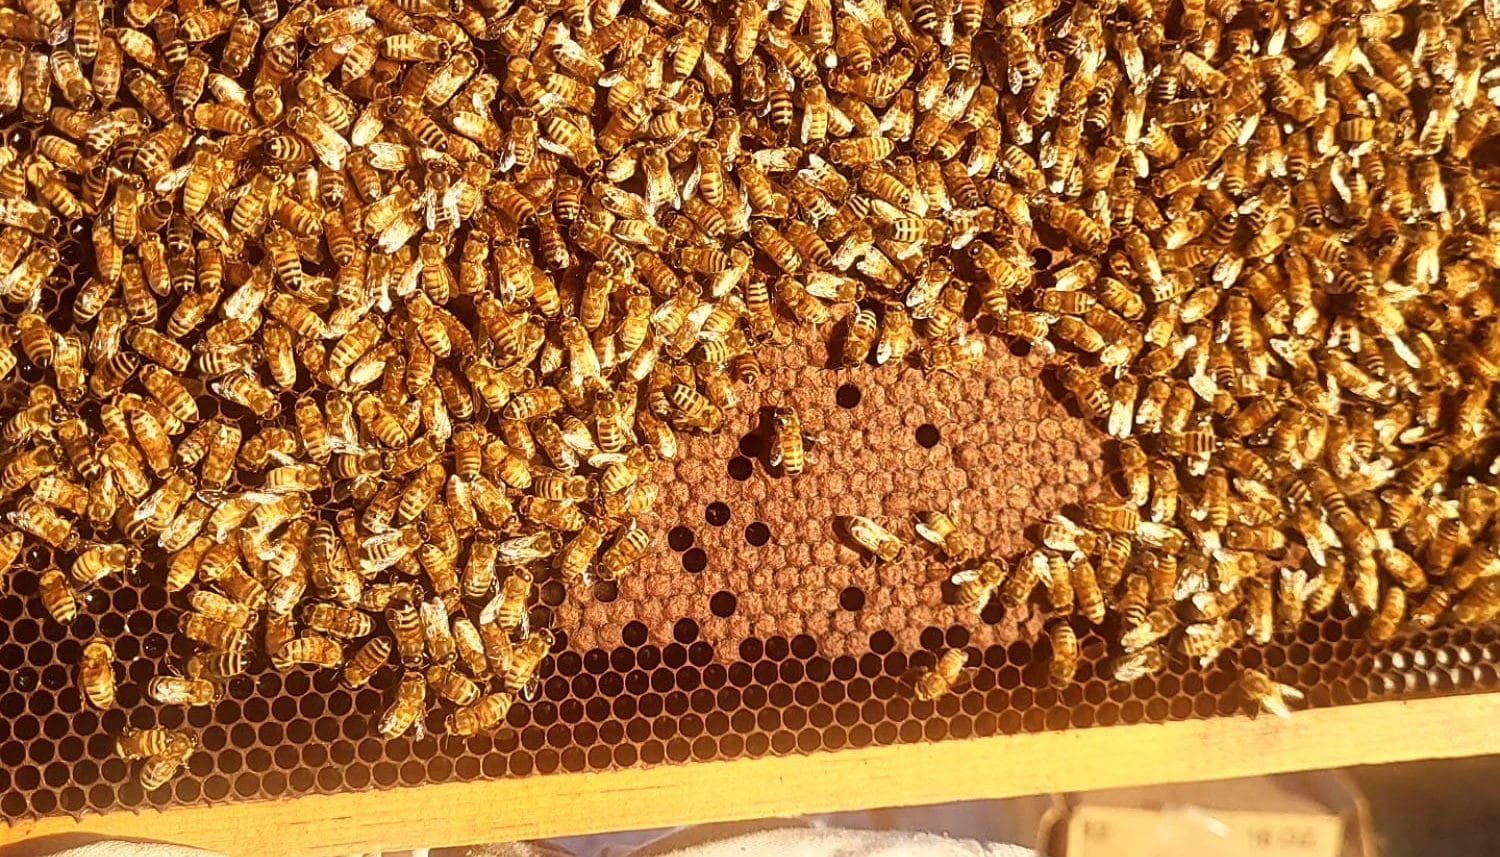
(754, 628)
(752, 631)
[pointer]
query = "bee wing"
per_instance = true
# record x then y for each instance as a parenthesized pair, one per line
(959, 578)
(1276, 706)
(928, 533)
(1043, 568)
(61, 33)
(488, 613)
(1191, 584)
(602, 460)
(174, 179)
(507, 157)
(446, 208)
(579, 439)
(965, 676)
(690, 184)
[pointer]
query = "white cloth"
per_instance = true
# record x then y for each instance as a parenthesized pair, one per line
(835, 842)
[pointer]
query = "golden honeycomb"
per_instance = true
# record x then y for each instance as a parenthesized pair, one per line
(754, 627)
(794, 646)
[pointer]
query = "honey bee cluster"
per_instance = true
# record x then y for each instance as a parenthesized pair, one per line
(351, 321)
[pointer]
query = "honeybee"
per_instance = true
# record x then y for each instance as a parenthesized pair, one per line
(1059, 583)
(1267, 694)
(578, 554)
(451, 685)
(1205, 641)
(366, 662)
(1064, 660)
(406, 710)
(1483, 561)
(470, 647)
(976, 586)
(1388, 618)
(11, 544)
(508, 608)
(859, 337)
(1134, 471)
(96, 673)
(1113, 518)
(340, 622)
(213, 633)
(1433, 608)
(1399, 564)
(895, 340)
(175, 690)
(1258, 618)
(136, 744)
(437, 631)
(1086, 589)
(219, 608)
(1154, 625)
(520, 672)
(159, 768)
(1086, 389)
(1023, 579)
(484, 714)
(312, 649)
(872, 538)
(97, 562)
(788, 451)
(943, 677)
(57, 596)
(939, 529)
(406, 627)
(628, 547)
(1130, 666)
(1114, 553)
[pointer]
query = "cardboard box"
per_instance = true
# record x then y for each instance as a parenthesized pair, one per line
(1298, 815)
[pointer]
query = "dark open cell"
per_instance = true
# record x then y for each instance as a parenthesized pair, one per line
(777, 647)
(694, 560)
(757, 534)
(717, 514)
(633, 634)
(752, 445)
(685, 631)
(928, 435)
(852, 598)
(723, 604)
(680, 538)
(804, 646)
(848, 395)
(740, 468)
(606, 591)
(751, 649)
(933, 638)
(553, 593)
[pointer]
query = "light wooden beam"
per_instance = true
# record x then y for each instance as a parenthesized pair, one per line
(908, 775)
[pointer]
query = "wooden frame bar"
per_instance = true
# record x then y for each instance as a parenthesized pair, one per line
(906, 775)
